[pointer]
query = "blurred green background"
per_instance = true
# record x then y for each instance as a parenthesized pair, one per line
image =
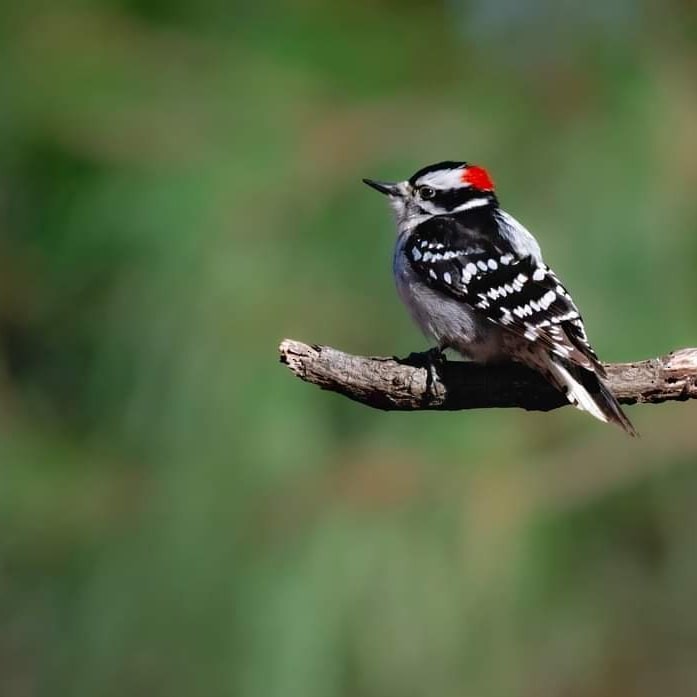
(179, 190)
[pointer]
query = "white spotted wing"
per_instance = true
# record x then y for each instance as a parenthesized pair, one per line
(480, 267)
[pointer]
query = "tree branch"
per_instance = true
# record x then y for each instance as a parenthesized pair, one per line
(395, 384)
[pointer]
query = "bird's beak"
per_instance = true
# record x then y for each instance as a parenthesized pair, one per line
(389, 188)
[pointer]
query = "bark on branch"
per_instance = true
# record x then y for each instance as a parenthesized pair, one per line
(395, 384)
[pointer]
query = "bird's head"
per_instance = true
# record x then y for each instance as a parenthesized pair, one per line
(445, 188)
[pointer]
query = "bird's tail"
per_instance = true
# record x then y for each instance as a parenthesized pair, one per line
(586, 390)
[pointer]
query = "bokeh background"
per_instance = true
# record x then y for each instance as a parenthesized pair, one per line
(179, 190)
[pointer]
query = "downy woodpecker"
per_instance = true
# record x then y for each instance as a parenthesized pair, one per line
(474, 280)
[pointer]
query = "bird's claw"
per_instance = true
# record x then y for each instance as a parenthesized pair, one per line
(431, 360)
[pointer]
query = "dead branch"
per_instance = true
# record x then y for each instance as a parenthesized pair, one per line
(394, 384)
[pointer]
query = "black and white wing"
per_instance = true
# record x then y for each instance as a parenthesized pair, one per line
(475, 263)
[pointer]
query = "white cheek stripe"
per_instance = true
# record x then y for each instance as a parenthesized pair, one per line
(472, 203)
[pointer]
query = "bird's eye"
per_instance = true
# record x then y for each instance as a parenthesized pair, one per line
(426, 192)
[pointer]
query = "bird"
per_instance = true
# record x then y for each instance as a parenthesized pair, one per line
(473, 279)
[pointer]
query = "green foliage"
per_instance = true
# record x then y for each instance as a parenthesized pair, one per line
(179, 190)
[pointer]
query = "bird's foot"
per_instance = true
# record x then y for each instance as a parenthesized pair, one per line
(431, 360)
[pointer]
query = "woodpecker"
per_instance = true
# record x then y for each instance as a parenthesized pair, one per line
(473, 279)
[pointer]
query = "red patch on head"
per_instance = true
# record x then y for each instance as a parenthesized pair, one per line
(477, 177)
